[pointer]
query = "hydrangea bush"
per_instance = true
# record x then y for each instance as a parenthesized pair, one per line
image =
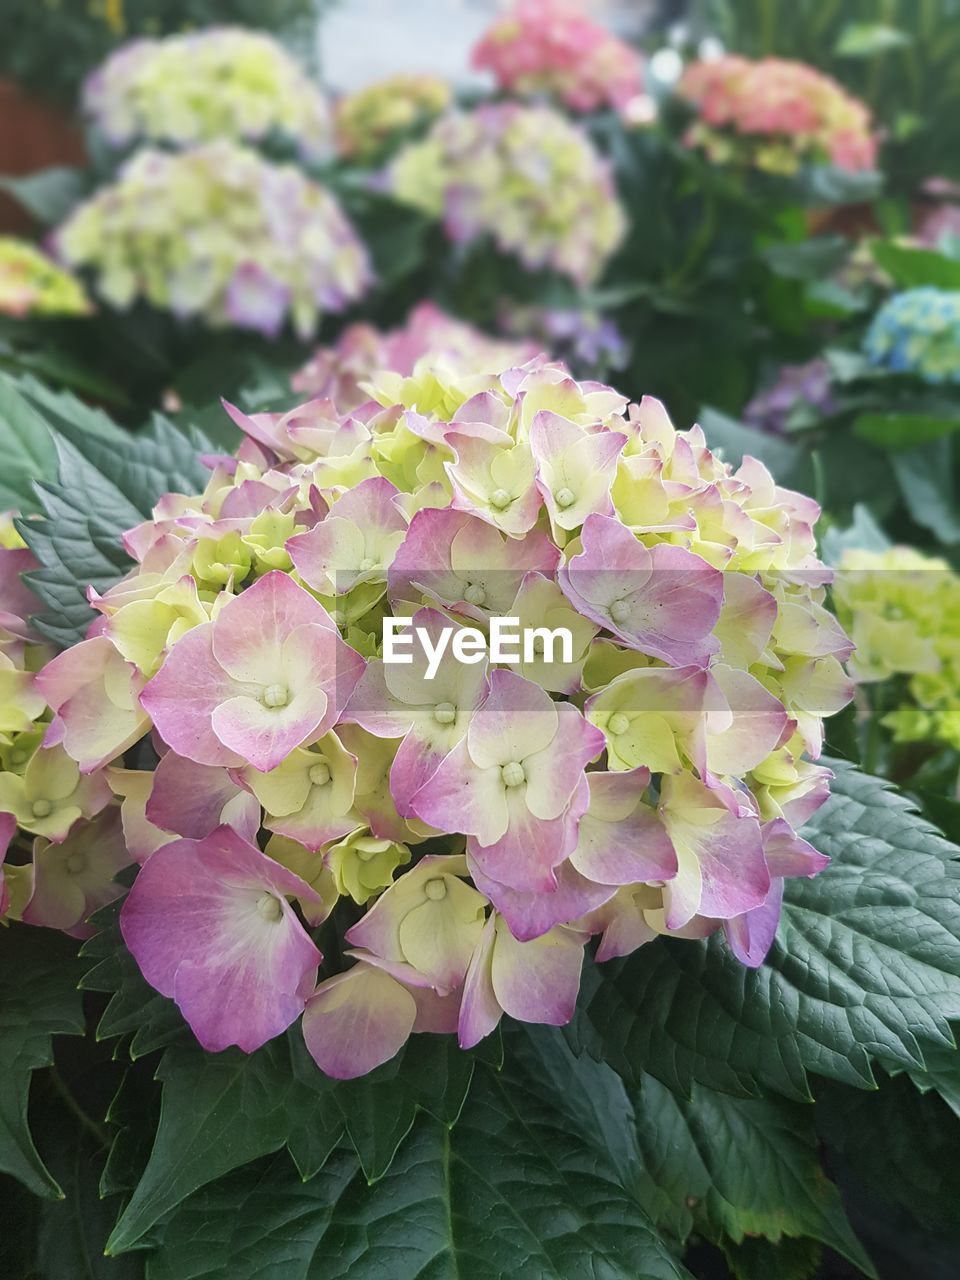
(553, 48)
(775, 115)
(33, 285)
(485, 818)
(368, 119)
(524, 176)
(918, 332)
(217, 232)
(221, 82)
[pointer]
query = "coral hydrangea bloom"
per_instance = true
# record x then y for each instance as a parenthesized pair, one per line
(776, 114)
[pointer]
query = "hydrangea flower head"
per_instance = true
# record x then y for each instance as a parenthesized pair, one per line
(462, 820)
(554, 48)
(31, 284)
(918, 332)
(776, 115)
(524, 176)
(903, 612)
(221, 82)
(219, 233)
(367, 119)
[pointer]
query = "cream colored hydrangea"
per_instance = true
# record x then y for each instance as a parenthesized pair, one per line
(219, 83)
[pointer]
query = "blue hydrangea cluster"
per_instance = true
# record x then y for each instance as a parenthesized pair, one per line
(918, 332)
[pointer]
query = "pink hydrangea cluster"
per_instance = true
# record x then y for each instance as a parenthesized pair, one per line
(776, 115)
(524, 176)
(554, 48)
(468, 819)
(338, 372)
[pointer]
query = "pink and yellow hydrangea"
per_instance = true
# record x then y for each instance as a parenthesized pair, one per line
(365, 121)
(464, 823)
(218, 233)
(221, 82)
(31, 284)
(524, 176)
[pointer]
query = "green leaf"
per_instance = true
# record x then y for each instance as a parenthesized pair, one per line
(866, 965)
(911, 268)
(134, 1008)
(38, 999)
(71, 1232)
(869, 39)
(675, 1152)
(809, 260)
(221, 1112)
(49, 194)
(133, 1116)
(25, 446)
(941, 1073)
(925, 477)
(903, 430)
(513, 1190)
(64, 411)
(104, 487)
(773, 1185)
(758, 1259)
(900, 1144)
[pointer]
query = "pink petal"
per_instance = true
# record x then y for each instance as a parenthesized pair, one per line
(480, 1010)
(554, 774)
(621, 839)
(183, 695)
(723, 850)
(749, 727)
(516, 720)
(751, 935)
(209, 925)
(8, 825)
(264, 736)
(189, 798)
(529, 915)
(459, 796)
(356, 1021)
(787, 854)
(250, 630)
(663, 601)
(95, 694)
(538, 981)
(524, 857)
